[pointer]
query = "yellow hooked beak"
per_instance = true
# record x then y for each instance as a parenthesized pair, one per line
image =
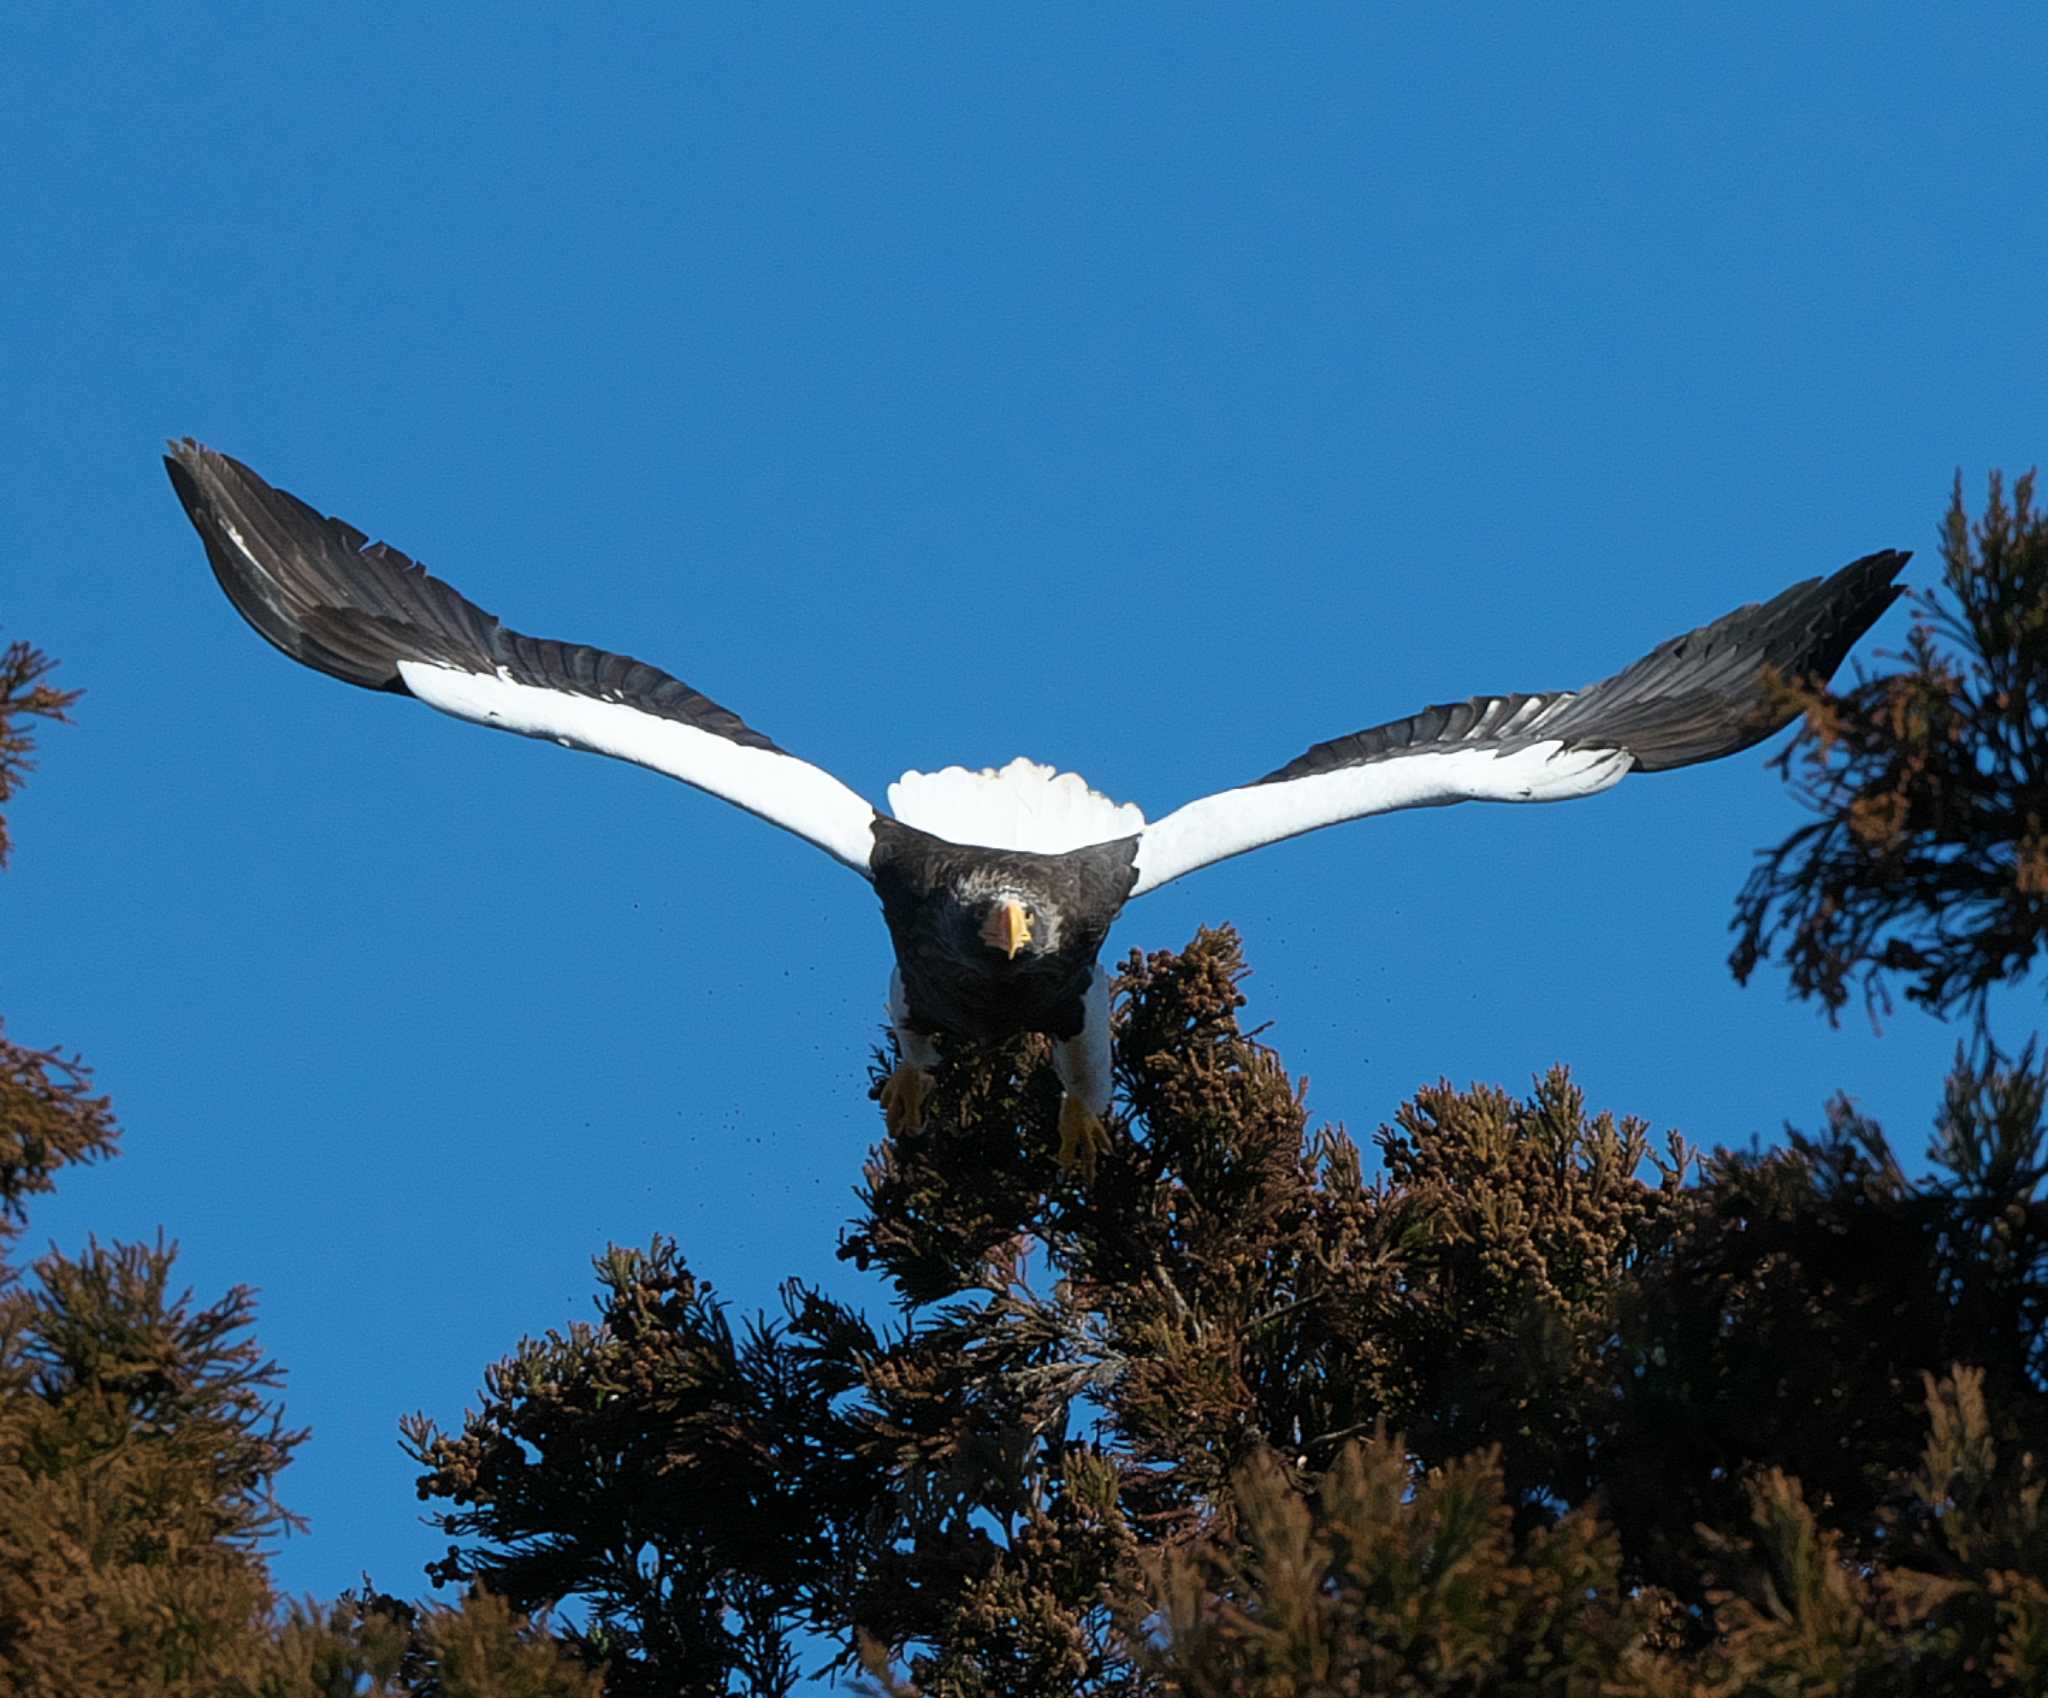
(1007, 928)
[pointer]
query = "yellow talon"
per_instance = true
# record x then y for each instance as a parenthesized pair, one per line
(1082, 1138)
(903, 1098)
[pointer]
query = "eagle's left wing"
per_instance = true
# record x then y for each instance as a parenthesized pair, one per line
(362, 612)
(1695, 698)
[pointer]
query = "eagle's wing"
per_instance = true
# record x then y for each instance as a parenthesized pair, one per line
(1695, 698)
(361, 611)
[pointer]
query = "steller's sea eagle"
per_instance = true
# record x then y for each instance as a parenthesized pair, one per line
(999, 887)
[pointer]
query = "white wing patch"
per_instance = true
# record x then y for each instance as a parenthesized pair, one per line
(1232, 821)
(779, 788)
(1024, 806)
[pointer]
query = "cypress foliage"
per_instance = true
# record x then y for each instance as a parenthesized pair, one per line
(1517, 1400)
(1926, 863)
(1544, 1408)
(142, 1439)
(1548, 1405)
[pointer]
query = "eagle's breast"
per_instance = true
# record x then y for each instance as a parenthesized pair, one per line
(952, 982)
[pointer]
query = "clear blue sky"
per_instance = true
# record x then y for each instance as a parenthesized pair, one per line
(1152, 390)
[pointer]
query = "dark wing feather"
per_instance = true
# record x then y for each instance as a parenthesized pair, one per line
(326, 595)
(1695, 698)
(364, 613)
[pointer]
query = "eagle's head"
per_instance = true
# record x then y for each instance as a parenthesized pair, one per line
(1009, 922)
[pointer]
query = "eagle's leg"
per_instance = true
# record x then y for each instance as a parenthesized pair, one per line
(905, 1090)
(1083, 1141)
(1083, 1065)
(903, 1098)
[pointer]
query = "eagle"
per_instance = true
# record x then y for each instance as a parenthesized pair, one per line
(999, 886)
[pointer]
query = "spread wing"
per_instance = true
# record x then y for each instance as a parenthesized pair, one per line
(364, 613)
(1695, 698)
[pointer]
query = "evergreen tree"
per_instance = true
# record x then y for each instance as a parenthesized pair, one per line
(1926, 862)
(1542, 1406)
(141, 1441)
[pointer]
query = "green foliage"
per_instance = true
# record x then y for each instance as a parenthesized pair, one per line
(692, 1486)
(1374, 1577)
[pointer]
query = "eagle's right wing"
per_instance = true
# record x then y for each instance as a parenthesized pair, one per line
(1695, 698)
(364, 613)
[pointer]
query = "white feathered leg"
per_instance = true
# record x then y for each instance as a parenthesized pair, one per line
(1083, 1065)
(905, 1090)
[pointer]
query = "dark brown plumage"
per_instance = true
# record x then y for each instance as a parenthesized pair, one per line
(952, 981)
(1695, 698)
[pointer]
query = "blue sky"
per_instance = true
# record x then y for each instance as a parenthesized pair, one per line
(1150, 390)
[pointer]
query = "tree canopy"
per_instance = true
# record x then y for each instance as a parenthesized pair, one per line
(1925, 864)
(142, 1436)
(1512, 1397)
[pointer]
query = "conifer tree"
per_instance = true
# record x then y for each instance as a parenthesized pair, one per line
(141, 1441)
(1926, 863)
(1529, 1401)
(1546, 1405)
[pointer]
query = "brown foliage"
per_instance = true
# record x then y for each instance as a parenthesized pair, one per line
(23, 696)
(1927, 861)
(681, 1478)
(138, 1452)
(49, 1118)
(372, 1646)
(141, 1443)
(1543, 1408)
(1130, 1438)
(1376, 1577)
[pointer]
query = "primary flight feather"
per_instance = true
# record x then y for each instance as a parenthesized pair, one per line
(999, 887)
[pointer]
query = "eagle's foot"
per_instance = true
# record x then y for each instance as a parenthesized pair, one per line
(1083, 1142)
(903, 1098)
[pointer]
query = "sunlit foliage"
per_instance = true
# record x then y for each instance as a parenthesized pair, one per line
(1518, 1397)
